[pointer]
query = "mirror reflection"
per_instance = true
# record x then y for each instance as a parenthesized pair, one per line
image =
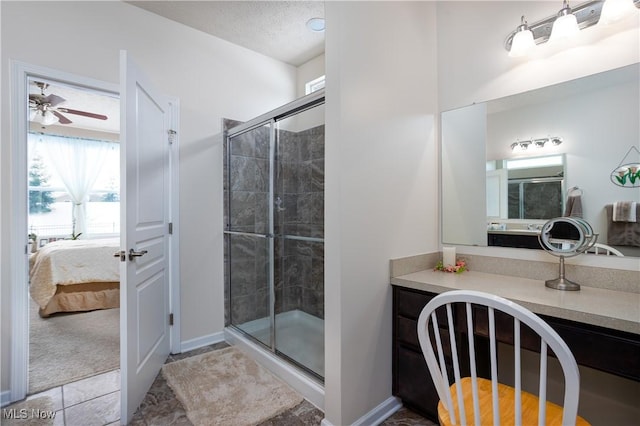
(543, 154)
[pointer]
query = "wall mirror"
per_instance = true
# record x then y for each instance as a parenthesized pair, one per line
(532, 151)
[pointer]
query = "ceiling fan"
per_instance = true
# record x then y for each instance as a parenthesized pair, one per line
(45, 109)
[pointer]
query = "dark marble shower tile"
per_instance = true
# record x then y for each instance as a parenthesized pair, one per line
(292, 298)
(242, 247)
(261, 176)
(317, 175)
(288, 178)
(243, 145)
(261, 139)
(243, 277)
(305, 177)
(313, 143)
(243, 309)
(228, 123)
(313, 302)
(261, 213)
(243, 175)
(317, 211)
(306, 208)
(290, 211)
(297, 270)
(288, 148)
(243, 206)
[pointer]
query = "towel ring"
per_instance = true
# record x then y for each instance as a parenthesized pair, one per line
(574, 189)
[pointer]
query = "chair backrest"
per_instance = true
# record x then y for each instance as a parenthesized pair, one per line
(467, 299)
(599, 248)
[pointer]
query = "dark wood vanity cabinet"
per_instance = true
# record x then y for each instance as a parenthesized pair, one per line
(612, 351)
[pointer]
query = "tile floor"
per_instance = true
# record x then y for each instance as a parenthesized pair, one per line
(95, 401)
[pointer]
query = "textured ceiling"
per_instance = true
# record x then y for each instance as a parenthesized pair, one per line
(274, 28)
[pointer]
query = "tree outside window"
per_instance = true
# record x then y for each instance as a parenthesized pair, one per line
(39, 201)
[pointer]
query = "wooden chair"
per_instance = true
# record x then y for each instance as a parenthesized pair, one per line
(486, 401)
(598, 248)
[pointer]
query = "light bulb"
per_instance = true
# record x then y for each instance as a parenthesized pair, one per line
(49, 118)
(522, 41)
(32, 114)
(614, 10)
(565, 26)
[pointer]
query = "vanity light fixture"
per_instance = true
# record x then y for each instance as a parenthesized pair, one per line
(585, 14)
(615, 10)
(538, 143)
(565, 25)
(522, 40)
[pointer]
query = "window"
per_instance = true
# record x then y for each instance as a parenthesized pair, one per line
(314, 85)
(53, 190)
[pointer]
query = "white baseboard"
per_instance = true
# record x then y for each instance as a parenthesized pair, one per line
(199, 342)
(380, 413)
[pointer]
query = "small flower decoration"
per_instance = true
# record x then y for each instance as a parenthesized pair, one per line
(459, 267)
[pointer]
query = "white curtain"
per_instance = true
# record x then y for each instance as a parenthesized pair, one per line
(78, 163)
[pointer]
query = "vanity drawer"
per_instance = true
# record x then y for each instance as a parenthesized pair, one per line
(407, 332)
(410, 303)
(611, 351)
(413, 383)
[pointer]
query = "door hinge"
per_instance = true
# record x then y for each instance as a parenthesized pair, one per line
(170, 319)
(172, 135)
(170, 228)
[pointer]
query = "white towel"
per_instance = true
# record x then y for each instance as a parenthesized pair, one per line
(624, 211)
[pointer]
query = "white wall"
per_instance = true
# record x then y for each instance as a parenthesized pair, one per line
(212, 78)
(381, 185)
(473, 65)
(309, 71)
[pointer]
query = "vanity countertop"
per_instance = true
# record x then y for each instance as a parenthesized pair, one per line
(535, 232)
(605, 308)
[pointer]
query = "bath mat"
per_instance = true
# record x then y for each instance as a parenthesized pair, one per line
(226, 387)
(33, 412)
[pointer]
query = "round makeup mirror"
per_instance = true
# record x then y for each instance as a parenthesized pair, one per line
(566, 237)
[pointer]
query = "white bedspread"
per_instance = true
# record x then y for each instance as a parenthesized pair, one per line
(66, 262)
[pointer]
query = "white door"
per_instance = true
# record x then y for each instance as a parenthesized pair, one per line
(144, 270)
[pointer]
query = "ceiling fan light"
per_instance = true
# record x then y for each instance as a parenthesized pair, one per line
(48, 118)
(615, 10)
(33, 113)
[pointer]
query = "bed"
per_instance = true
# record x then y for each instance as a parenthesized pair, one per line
(75, 275)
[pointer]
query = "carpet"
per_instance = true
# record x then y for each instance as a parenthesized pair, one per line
(34, 412)
(226, 387)
(67, 347)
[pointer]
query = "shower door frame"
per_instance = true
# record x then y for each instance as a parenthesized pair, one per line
(270, 118)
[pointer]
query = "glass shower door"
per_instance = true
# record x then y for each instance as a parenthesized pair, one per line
(274, 236)
(249, 234)
(299, 239)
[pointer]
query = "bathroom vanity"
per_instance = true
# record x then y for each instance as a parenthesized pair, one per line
(601, 326)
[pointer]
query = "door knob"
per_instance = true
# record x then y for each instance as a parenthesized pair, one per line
(121, 254)
(133, 253)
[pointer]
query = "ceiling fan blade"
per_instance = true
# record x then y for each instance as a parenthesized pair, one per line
(83, 113)
(61, 118)
(53, 100)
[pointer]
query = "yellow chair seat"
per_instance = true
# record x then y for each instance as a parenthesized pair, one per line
(506, 401)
